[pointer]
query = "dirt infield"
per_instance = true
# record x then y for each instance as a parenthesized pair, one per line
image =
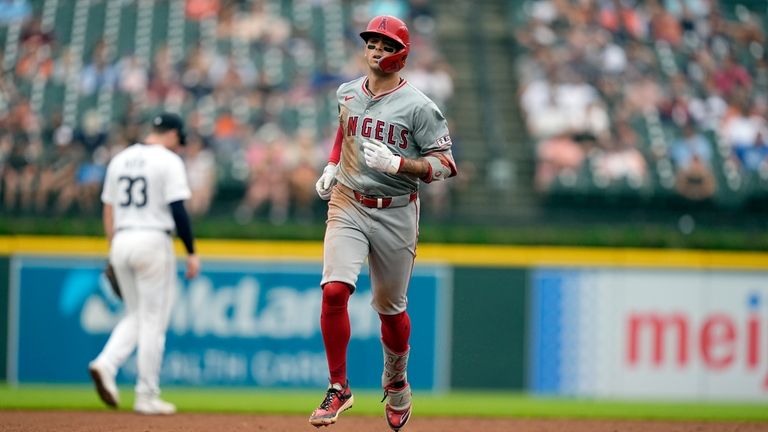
(80, 421)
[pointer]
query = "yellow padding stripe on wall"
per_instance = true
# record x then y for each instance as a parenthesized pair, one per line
(456, 254)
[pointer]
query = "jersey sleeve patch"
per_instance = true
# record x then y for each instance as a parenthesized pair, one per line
(444, 141)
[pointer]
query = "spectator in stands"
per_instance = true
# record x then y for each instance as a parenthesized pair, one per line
(35, 60)
(691, 156)
(664, 25)
(99, 73)
(234, 73)
(199, 123)
(201, 9)
(732, 76)
(620, 160)
(580, 13)
(8, 93)
(748, 29)
(23, 150)
(555, 156)
(305, 159)
(422, 16)
(19, 173)
(689, 145)
(708, 108)
(132, 75)
(642, 59)
(225, 22)
(743, 129)
(643, 95)
(58, 169)
(433, 77)
(163, 79)
(259, 26)
(696, 182)
(195, 76)
(675, 104)
(596, 122)
(548, 119)
(64, 66)
(754, 157)
(228, 138)
(90, 138)
(268, 177)
(575, 93)
(23, 120)
(623, 19)
(613, 57)
(761, 75)
(32, 33)
(91, 133)
(692, 8)
(200, 163)
(89, 178)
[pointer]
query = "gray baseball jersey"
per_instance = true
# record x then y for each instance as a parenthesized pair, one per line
(411, 126)
(404, 119)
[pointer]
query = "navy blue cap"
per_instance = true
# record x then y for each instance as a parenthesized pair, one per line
(167, 121)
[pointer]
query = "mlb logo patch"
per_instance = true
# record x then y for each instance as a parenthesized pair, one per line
(443, 141)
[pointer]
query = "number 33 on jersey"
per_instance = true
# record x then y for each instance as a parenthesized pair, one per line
(141, 181)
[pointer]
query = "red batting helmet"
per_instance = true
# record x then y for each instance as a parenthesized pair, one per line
(395, 29)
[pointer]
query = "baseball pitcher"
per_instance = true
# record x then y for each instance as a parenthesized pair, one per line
(390, 138)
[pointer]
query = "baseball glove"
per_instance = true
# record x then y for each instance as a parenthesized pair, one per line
(109, 273)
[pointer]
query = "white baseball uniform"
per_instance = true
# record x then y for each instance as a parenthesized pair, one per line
(140, 183)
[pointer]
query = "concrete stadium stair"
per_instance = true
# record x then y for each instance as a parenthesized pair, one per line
(476, 41)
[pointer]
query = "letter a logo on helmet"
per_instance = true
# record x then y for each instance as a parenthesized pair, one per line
(395, 29)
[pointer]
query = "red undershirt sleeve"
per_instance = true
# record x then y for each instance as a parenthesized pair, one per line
(335, 156)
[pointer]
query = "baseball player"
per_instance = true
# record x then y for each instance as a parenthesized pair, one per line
(144, 192)
(390, 137)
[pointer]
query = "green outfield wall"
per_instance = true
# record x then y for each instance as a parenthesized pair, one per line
(488, 328)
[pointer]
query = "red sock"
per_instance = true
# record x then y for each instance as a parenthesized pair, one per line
(334, 323)
(395, 331)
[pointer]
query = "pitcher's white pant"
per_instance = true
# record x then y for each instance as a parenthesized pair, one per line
(145, 267)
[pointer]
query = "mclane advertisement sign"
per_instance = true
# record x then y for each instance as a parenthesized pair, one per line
(650, 333)
(237, 324)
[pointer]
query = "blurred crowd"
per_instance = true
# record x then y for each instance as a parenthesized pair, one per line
(650, 95)
(254, 79)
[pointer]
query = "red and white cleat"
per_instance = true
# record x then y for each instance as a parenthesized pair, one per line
(337, 400)
(398, 407)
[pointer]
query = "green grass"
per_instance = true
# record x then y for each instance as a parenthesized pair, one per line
(476, 404)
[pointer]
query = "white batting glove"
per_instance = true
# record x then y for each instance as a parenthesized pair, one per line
(378, 157)
(325, 183)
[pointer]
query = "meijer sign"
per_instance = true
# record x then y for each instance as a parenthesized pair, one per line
(650, 333)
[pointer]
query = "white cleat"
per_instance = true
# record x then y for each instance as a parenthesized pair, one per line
(105, 384)
(153, 406)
